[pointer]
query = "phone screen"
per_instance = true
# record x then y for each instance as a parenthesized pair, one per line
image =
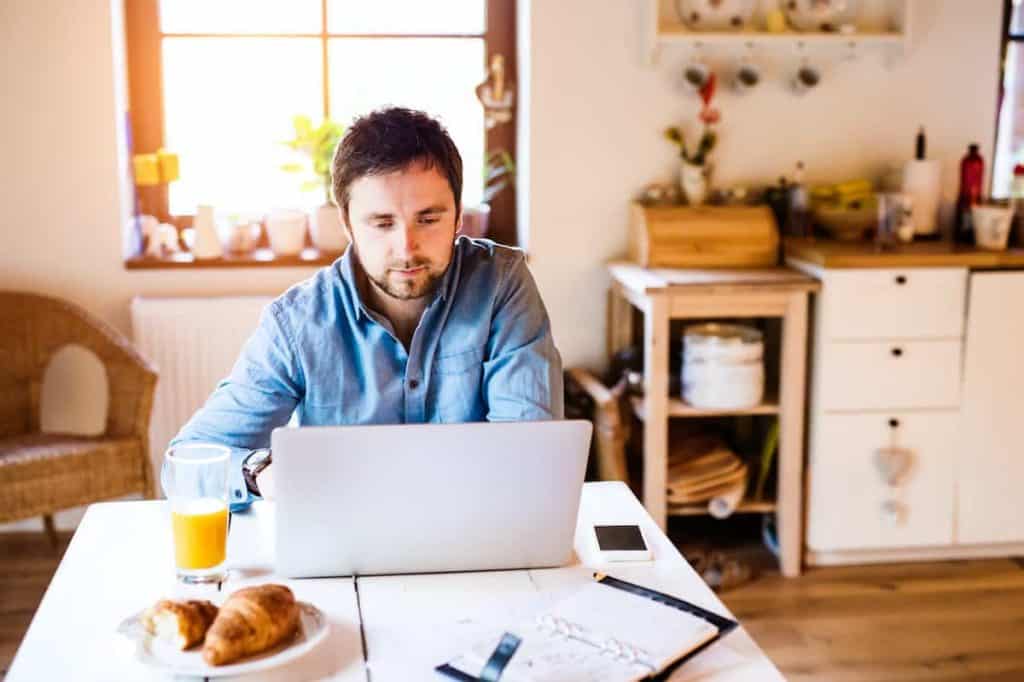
(619, 538)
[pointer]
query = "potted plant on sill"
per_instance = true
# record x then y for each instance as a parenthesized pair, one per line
(499, 173)
(317, 144)
(695, 167)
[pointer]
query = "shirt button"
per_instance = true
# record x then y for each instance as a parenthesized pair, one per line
(414, 384)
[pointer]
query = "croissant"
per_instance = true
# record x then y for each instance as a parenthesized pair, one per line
(251, 621)
(182, 623)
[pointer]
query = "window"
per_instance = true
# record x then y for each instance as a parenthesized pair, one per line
(219, 81)
(1010, 125)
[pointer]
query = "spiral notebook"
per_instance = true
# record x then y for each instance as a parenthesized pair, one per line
(608, 631)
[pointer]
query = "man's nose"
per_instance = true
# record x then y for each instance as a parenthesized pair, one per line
(406, 241)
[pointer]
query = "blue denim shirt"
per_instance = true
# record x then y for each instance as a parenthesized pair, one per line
(482, 351)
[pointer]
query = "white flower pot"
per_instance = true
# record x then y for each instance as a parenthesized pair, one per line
(286, 231)
(693, 180)
(325, 229)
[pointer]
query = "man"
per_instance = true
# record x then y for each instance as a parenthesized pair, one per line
(409, 325)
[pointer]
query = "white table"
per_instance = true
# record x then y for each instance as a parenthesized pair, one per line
(120, 560)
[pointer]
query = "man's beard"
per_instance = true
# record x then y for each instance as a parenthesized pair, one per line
(409, 289)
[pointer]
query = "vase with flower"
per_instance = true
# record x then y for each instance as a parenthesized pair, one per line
(695, 165)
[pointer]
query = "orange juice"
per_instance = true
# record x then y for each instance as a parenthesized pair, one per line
(200, 533)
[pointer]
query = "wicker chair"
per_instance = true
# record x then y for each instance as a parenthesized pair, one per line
(41, 473)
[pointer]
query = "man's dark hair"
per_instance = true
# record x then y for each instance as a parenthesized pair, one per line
(388, 140)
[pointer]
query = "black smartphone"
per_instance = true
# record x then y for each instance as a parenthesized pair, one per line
(621, 543)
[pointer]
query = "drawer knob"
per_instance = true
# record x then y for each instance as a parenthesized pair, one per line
(894, 423)
(897, 352)
(901, 279)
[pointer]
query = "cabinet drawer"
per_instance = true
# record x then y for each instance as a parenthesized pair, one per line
(889, 375)
(882, 304)
(848, 494)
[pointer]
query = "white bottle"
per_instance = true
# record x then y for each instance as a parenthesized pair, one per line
(207, 244)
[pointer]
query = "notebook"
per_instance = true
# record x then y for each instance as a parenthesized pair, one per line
(608, 631)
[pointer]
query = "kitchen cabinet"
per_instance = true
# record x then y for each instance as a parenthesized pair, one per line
(916, 408)
(990, 452)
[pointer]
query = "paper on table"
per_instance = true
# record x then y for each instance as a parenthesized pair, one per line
(598, 634)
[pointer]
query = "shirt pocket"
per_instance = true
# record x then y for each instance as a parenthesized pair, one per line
(457, 384)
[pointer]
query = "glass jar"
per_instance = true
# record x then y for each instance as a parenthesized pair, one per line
(723, 366)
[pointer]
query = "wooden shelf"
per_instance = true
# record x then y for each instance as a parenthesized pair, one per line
(257, 258)
(885, 29)
(677, 408)
(701, 508)
(679, 34)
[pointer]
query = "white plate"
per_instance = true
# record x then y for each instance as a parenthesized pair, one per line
(716, 15)
(313, 628)
(814, 15)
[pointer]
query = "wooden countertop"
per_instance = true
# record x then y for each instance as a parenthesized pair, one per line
(834, 254)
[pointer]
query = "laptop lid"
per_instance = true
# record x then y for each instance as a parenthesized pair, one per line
(420, 498)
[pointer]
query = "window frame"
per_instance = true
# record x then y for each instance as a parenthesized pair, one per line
(144, 41)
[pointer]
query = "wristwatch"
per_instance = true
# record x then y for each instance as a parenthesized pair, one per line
(255, 462)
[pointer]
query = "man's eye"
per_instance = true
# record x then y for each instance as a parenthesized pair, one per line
(383, 225)
(429, 221)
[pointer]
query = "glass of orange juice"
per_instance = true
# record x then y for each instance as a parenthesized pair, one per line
(195, 479)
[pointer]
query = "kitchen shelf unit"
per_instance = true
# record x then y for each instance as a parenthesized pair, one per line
(666, 295)
(882, 25)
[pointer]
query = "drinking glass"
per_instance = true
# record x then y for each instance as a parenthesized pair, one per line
(195, 479)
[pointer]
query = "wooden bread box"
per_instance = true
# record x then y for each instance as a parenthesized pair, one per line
(703, 236)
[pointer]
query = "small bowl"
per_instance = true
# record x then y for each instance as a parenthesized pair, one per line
(847, 224)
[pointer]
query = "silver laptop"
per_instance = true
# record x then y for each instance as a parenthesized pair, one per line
(423, 498)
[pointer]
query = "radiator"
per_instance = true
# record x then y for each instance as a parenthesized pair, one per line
(193, 342)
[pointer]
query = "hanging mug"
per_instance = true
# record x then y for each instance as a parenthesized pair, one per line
(806, 78)
(696, 74)
(747, 77)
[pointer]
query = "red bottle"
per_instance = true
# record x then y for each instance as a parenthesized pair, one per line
(972, 174)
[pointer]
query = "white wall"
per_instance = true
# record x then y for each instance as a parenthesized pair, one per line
(596, 116)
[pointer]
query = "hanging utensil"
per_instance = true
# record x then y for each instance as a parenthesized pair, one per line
(496, 94)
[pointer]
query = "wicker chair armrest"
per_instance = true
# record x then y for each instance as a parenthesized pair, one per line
(131, 378)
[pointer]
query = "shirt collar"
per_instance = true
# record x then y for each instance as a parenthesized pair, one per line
(347, 270)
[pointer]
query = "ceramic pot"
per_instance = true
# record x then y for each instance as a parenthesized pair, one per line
(694, 182)
(286, 231)
(325, 229)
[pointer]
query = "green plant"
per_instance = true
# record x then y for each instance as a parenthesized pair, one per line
(704, 145)
(709, 116)
(317, 144)
(499, 173)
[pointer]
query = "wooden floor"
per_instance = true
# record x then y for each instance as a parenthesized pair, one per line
(27, 562)
(961, 620)
(908, 622)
